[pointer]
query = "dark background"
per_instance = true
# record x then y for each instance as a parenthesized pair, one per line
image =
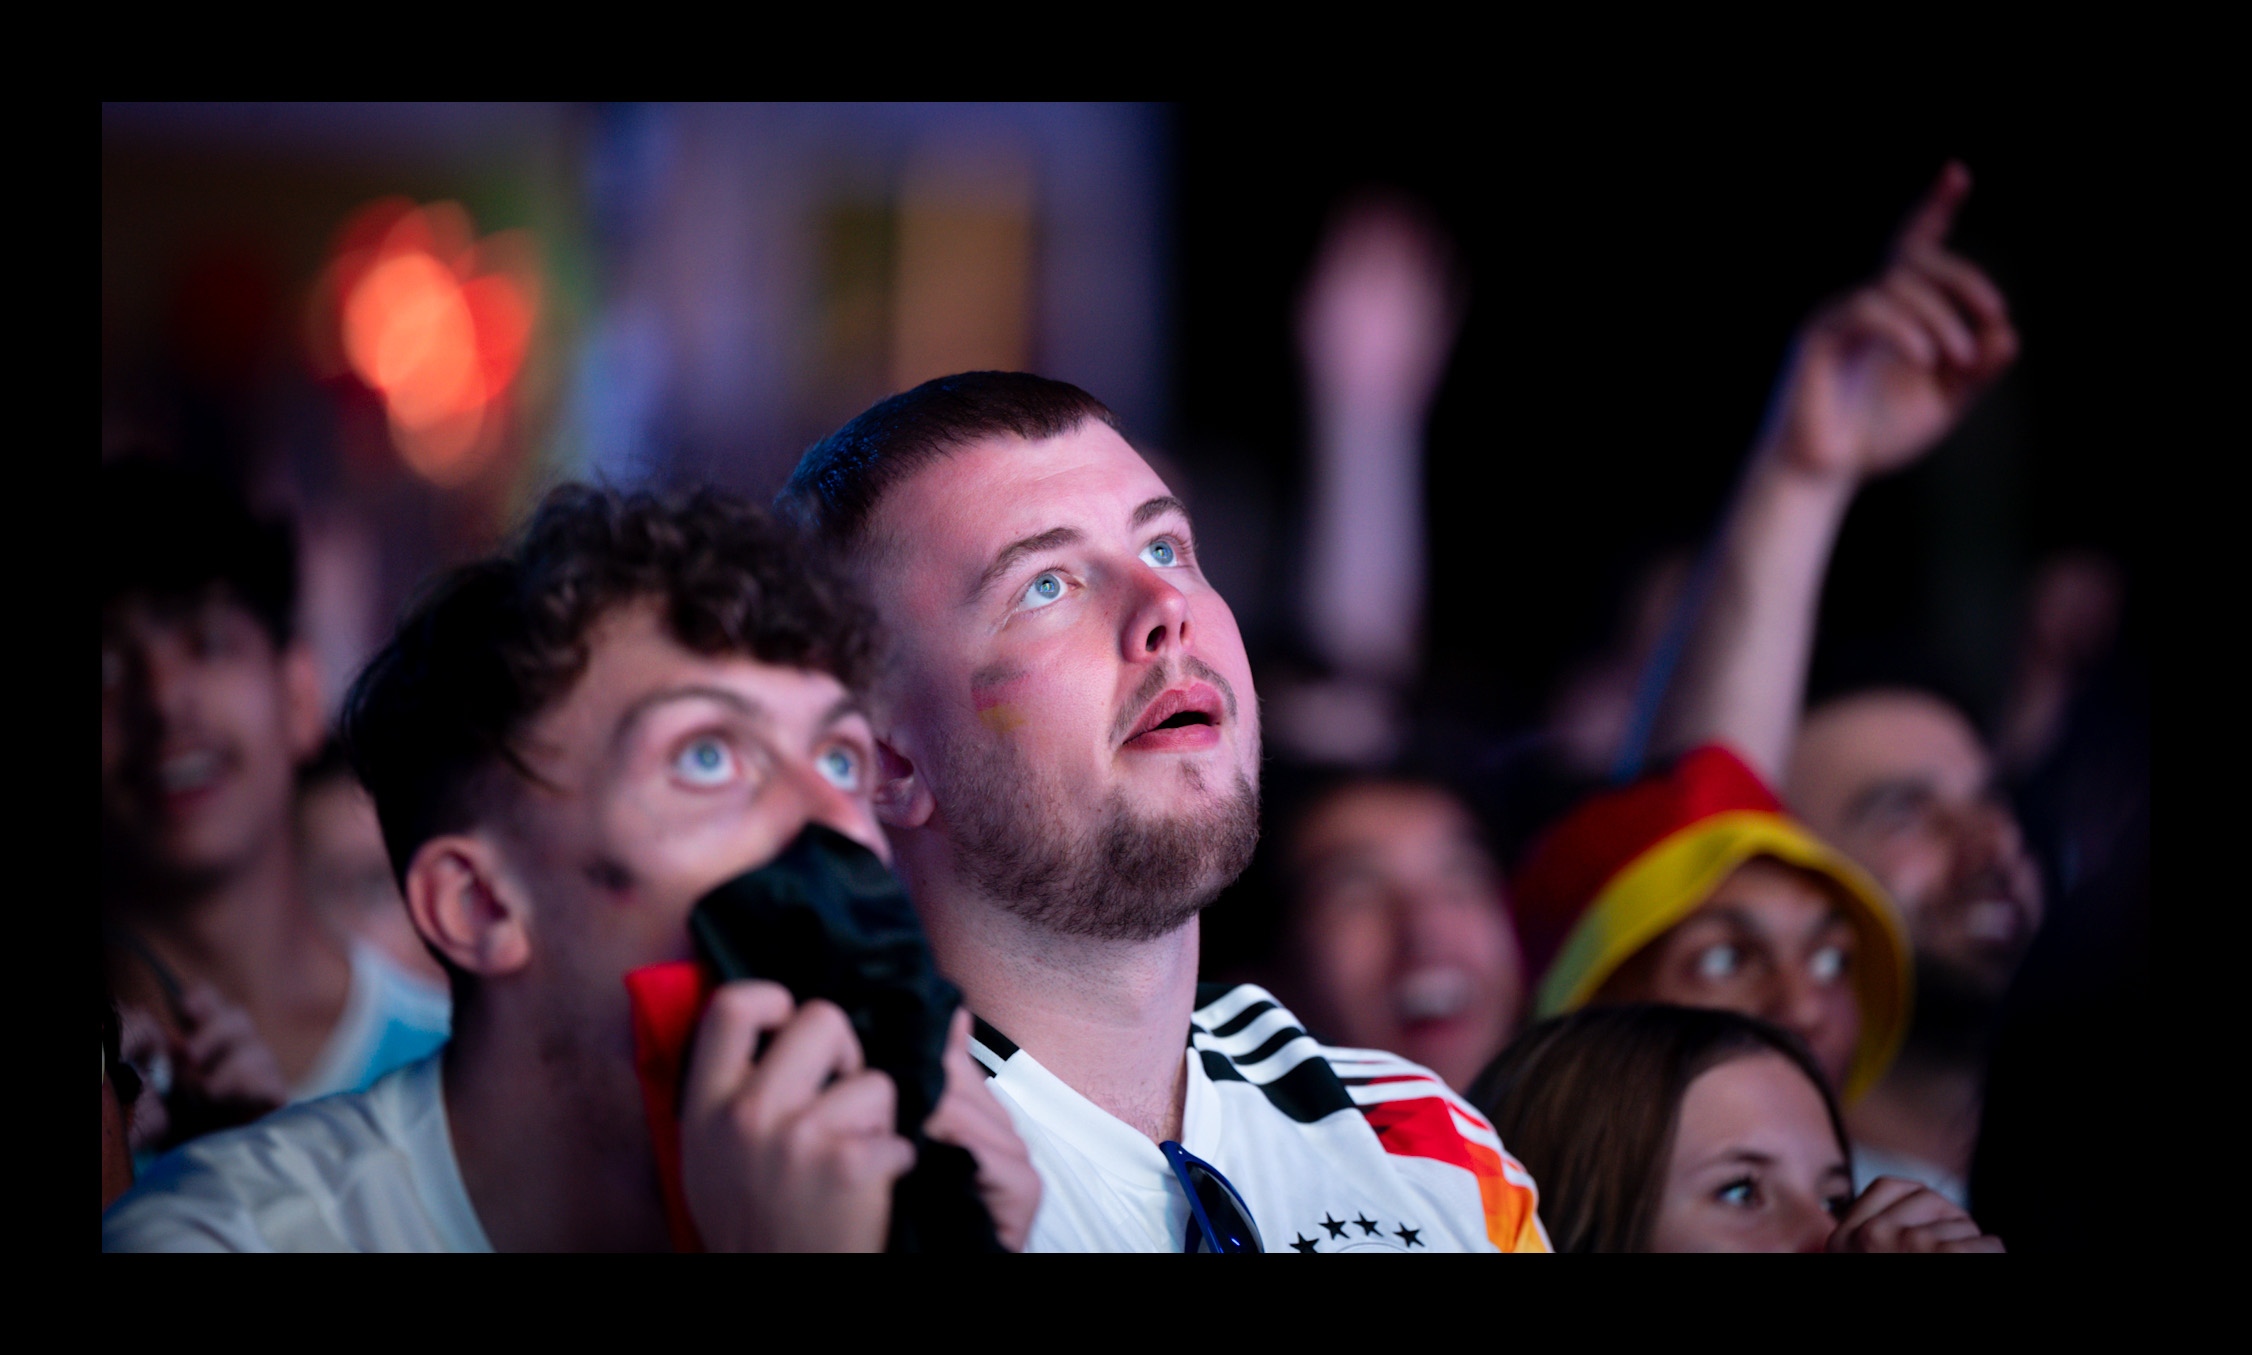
(1631, 302)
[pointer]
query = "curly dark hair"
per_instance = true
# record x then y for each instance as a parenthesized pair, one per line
(434, 718)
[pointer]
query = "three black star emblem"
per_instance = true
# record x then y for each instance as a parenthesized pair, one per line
(1410, 1238)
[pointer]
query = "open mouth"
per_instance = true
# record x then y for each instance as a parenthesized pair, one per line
(1995, 921)
(176, 781)
(1432, 994)
(185, 773)
(1183, 717)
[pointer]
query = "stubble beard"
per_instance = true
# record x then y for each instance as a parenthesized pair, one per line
(1127, 877)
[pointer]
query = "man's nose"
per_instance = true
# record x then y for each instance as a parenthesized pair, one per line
(1987, 840)
(1157, 617)
(1436, 928)
(1795, 1003)
(824, 803)
(156, 686)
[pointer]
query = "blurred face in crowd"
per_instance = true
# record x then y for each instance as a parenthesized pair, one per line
(1900, 782)
(204, 720)
(664, 772)
(1401, 931)
(348, 874)
(1756, 1164)
(1771, 942)
(1068, 686)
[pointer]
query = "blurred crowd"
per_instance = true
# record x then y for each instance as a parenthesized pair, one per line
(1744, 946)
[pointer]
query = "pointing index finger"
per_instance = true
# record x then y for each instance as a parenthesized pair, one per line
(1927, 226)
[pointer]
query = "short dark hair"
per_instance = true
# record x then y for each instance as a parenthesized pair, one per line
(1589, 1102)
(492, 644)
(841, 479)
(171, 532)
(1848, 669)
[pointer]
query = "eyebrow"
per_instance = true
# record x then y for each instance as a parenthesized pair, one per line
(1157, 508)
(639, 710)
(1867, 801)
(1742, 921)
(1733, 1156)
(1066, 536)
(1017, 550)
(843, 708)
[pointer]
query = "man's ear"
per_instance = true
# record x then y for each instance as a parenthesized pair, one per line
(301, 702)
(901, 799)
(466, 905)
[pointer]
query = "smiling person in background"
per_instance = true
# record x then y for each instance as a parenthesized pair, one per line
(237, 995)
(1397, 933)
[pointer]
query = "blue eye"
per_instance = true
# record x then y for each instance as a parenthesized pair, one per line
(1162, 553)
(1044, 590)
(1719, 962)
(841, 767)
(1827, 965)
(1739, 1192)
(706, 762)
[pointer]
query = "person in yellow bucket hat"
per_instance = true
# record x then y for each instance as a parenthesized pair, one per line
(1694, 886)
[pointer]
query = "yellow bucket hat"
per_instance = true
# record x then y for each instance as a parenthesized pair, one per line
(1625, 866)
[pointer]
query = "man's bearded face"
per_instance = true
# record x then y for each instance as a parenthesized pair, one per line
(1071, 690)
(1126, 874)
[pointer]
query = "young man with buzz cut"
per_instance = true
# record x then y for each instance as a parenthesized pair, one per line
(568, 745)
(1069, 744)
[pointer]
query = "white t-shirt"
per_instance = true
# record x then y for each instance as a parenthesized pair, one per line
(1331, 1149)
(370, 1171)
(391, 1019)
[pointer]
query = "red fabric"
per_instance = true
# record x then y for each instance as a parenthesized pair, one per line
(1419, 1126)
(668, 1000)
(1576, 857)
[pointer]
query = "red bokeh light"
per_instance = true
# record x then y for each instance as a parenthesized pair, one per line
(435, 322)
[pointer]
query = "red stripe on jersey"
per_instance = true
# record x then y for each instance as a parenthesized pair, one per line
(1423, 1126)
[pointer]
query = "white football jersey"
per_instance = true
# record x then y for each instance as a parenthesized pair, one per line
(1331, 1149)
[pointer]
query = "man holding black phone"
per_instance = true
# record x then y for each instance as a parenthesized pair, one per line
(1070, 758)
(569, 745)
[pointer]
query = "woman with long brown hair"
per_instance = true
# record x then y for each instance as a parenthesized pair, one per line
(1659, 1128)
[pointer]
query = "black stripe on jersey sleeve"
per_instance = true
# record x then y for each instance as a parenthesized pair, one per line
(1272, 1045)
(1241, 1019)
(992, 1039)
(1217, 1067)
(1306, 1093)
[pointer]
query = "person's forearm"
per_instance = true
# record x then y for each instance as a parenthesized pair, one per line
(1364, 577)
(1742, 674)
